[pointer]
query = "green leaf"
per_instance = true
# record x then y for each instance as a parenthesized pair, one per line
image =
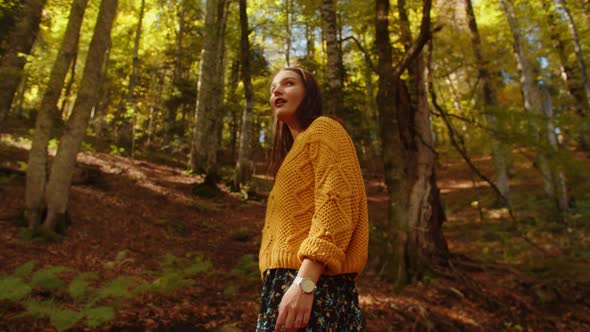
(47, 278)
(118, 287)
(63, 319)
(79, 285)
(99, 315)
(199, 265)
(24, 271)
(40, 309)
(13, 288)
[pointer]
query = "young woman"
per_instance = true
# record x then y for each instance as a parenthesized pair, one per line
(315, 237)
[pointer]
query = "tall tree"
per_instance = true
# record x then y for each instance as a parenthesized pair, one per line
(131, 104)
(20, 42)
(577, 46)
(415, 214)
(334, 96)
(533, 104)
(203, 156)
(58, 186)
(585, 135)
(288, 26)
(48, 114)
(571, 76)
(490, 106)
(244, 165)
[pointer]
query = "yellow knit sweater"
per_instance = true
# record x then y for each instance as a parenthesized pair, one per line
(317, 208)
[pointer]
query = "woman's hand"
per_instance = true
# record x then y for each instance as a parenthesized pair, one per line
(295, 307)
(294, 310)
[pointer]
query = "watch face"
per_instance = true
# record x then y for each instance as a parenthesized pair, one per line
(307, 285)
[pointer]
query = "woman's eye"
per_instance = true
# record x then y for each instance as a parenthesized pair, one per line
(290, 83)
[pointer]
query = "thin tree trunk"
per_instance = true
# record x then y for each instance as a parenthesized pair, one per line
(288, 13)
(20, 41)
(210, 94)
(245, 165)
(70, 83)
(533, 100)
(37, 163)
(490, 106)
(65, 160)
(558, 176)
(334, 95)
(131, 103)
(577, 47)
(170, 124)
(580, 91)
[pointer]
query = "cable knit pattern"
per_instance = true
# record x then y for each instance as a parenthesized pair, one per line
(317, 208)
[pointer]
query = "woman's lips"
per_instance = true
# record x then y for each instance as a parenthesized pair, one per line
(280, 102)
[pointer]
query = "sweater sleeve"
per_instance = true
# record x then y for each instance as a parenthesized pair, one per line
(332, 223)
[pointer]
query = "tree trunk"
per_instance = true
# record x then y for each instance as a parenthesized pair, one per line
(558, 176)
(245, 165)
(577, 47)
(490, 106)
(334, 96)
(65, 160)
(288, 13)
(585, 83)
(533, 100)
(210, 95)
(170, 125)
(131, 103)
(20, 41)
(37, 164)
(414, 212)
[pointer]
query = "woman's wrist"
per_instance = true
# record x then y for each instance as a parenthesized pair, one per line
(310, 269)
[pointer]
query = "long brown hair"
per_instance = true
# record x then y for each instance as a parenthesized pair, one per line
(308, 110)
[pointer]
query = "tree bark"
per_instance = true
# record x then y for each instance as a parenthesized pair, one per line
(288, 13)
(577, 47)
(415, 214)
(20, 41)
(210, 95)
(585, 83)
(558, 176)
(245, 165)
(533, 101)
(48, 113)
(490, 106)
(334, 96)
(131, 104)
(61, 171)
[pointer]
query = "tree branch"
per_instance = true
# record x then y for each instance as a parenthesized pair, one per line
(418, 45)
(363, 50)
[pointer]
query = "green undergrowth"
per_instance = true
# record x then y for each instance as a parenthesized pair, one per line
(68, 298)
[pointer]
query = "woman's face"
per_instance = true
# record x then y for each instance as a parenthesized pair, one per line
(286, 93)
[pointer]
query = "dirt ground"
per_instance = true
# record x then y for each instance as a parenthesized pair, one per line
(146, 210)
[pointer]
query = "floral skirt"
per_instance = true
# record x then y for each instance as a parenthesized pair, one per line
(335, 307)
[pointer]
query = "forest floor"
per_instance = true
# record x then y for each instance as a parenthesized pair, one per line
(130, 217)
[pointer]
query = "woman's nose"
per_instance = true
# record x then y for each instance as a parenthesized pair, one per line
(278, 91)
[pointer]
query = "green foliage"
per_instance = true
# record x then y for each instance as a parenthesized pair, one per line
(117, 151)
(247, 269)
(116, 288)
(13, 288)
(77, 289)
(95, 303)
(24, 271)
(61, 318)
(47, 278)
(98, 316)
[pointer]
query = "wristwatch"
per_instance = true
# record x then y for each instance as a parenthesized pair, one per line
(306, 284)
